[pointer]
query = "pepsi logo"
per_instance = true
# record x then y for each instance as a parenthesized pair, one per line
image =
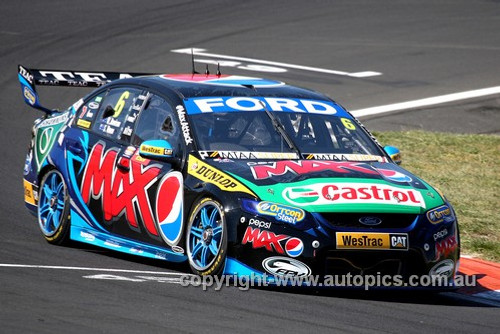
(169, 207)
(393, 175)
(294, 247)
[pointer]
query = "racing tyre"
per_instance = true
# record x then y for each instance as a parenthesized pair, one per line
(206, 238)
(53, 208)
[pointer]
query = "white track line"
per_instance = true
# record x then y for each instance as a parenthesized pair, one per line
(201, 52)
(426, 102)
(9, 265)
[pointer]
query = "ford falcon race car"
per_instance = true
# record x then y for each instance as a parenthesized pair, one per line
(233, 175)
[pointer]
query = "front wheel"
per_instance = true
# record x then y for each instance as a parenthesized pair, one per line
(53, 208)
(206, 238)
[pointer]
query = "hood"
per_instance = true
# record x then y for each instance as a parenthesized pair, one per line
(334, 186)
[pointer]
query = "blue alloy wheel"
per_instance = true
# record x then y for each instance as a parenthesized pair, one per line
(53, 208)
(206, 238)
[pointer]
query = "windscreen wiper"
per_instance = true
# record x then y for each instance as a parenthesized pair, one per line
(277, 124)
(281, 129)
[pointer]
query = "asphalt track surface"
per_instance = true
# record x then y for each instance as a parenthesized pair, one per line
(422, 48)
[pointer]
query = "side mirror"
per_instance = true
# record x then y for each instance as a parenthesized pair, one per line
(158, 149)
(394, 153)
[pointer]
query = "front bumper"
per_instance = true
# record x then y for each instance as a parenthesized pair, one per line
(433, 249)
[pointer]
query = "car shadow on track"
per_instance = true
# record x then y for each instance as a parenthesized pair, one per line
(160, 265)
(385, 295)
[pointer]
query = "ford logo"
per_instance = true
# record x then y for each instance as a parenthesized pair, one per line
(443, 268)
(285, 267)
(370, 221)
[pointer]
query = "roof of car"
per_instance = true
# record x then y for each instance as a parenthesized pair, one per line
(198, 85)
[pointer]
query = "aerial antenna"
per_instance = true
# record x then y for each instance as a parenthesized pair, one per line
(207, 72)
(193, 70)
(218, 70)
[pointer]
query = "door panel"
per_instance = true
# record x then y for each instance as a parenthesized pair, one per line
(128, 195)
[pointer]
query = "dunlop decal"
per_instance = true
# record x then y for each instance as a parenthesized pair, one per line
(209, 174)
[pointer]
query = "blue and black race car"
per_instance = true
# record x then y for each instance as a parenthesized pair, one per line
(231, 174)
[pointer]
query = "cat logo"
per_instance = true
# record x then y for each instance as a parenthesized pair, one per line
(374, 241)
(399, 241)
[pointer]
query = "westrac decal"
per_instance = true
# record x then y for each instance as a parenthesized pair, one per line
(375, 241)
(352, 193)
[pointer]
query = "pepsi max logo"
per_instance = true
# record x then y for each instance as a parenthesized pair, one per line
(294, 247)
(370, 221)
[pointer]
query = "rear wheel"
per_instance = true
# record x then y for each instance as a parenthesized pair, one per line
(53, 208)
(206, 238)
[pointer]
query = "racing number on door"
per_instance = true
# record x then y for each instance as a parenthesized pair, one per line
(121, 103)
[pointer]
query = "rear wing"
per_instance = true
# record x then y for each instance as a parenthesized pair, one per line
(29, 78)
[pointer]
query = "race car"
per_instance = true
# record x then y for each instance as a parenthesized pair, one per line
(235, 175)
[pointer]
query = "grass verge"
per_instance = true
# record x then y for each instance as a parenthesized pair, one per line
(466, 168)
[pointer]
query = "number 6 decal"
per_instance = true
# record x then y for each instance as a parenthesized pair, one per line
(348, 124)
(121, 103)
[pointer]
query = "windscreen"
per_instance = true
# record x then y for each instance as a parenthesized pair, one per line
(310, 133)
